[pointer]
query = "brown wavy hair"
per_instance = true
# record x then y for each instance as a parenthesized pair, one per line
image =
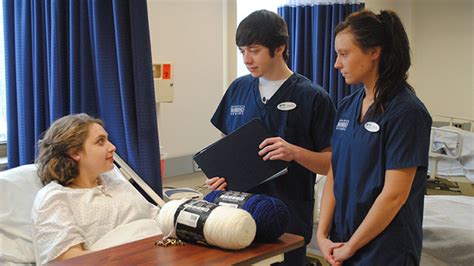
(65, 136)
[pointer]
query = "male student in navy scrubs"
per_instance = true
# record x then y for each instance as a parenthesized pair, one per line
(298, 113)
(372, 203)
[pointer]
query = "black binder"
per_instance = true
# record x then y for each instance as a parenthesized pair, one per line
(235, 157)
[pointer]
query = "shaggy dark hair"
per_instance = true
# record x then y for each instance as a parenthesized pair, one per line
(265, 28)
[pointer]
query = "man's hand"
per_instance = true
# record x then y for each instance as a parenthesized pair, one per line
(277, 148)
(216, 183)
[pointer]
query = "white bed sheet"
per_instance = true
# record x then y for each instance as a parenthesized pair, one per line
(462, 166)
(127, 233)
(448, 229)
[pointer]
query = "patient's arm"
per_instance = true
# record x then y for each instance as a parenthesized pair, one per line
(74, 251)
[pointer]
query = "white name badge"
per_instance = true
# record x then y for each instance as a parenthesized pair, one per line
(286, 106)
(372, 127)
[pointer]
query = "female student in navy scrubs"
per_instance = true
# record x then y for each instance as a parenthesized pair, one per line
(372, 204)
(297, 113)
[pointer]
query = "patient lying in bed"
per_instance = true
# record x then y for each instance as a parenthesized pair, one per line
(81, 203)
(64, 217)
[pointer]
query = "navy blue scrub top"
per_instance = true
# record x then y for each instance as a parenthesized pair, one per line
(309, 125)
(362, 152)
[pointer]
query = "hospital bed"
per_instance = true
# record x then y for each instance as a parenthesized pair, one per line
(19, 186)
(448, 229)
(451, 155)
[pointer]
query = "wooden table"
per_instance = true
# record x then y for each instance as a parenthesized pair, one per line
(144, 252)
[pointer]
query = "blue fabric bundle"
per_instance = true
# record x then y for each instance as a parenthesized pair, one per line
(270, 214)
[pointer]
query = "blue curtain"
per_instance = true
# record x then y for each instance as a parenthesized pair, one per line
(71, 56)
(311, 48)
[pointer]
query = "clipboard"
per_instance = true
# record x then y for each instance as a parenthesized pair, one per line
(235, 157)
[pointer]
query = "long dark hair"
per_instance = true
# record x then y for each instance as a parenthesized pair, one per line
(385, 31)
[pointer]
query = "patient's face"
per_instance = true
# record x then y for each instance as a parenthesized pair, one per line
(97, 155)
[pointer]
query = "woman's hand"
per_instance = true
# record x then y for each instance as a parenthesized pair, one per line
(327, 247)
(216, 183)
(343, 253)
(277, 149)
(74, 251)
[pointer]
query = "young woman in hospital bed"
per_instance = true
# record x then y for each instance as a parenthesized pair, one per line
(81, 207)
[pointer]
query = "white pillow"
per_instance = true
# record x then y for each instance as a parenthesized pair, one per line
(18, 188)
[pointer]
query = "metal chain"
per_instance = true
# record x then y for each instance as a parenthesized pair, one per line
(169, 242)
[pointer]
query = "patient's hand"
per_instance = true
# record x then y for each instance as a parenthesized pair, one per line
(216, 183)
(74, 251)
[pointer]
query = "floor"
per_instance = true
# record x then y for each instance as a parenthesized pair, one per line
(193, 180)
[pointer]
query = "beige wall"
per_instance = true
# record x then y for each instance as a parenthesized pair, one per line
(442, 56)
(403, 8)
(189, 33)
(230, 30)
(441, 35)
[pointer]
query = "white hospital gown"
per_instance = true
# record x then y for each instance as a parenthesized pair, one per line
(64, 217)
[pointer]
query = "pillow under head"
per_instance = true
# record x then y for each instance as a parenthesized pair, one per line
(18, 188)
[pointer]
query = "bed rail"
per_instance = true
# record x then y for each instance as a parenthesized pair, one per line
(133, 177)
(460, 122)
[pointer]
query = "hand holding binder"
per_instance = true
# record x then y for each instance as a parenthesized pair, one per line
(236, 158)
